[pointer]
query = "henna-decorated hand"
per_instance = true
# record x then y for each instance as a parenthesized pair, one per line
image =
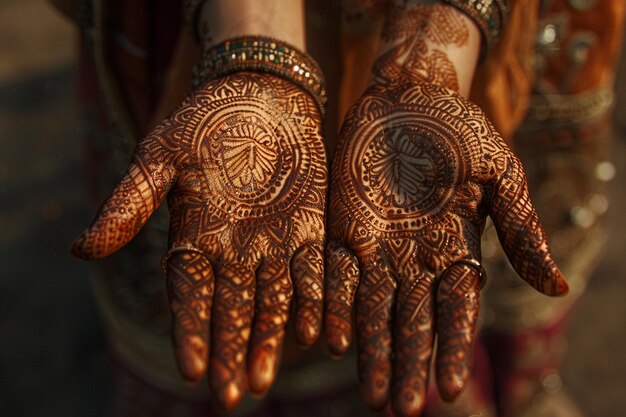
(245, 162)
(417, 170)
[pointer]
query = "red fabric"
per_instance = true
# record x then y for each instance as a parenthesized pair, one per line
(522, 360)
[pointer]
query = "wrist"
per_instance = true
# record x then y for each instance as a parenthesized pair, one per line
(213, 22)
(220, 20)
(488, 15)
(428, 44)
(265, 55)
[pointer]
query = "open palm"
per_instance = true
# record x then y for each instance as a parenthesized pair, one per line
(417, 170)
(244, 164)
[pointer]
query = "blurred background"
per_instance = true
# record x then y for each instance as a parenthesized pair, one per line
(53, 358)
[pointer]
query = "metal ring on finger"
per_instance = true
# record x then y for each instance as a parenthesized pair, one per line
(476, 266)
(185, 247)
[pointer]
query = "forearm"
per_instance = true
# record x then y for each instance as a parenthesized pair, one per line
(428, 42)
(219, 20)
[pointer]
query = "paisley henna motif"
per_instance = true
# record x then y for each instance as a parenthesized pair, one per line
(245, 162)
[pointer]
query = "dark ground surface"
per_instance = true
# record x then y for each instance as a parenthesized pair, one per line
(52, 355)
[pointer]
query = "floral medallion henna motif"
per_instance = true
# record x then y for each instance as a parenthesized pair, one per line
(417, 170)
(243, 164)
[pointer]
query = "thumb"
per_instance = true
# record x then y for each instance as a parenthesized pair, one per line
(521, 235)
(127, 209)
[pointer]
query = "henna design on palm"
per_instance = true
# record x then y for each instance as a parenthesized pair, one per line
(245, 162)
(417, 170)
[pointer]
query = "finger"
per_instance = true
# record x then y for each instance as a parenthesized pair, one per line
(342, 279)
(233, 306)
(127, 209)
(190, 290)
(458, 301)
(374, 318)
(413, 345)
(307, 271)
(521, 235)
(272, 301)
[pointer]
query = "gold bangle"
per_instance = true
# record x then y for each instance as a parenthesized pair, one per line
(489, 16)
(262, 54)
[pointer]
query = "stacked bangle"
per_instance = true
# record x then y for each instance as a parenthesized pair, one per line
(262, 54)
(489, 15)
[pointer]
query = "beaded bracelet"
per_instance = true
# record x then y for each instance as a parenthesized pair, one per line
(262, 54)
(489, 15)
